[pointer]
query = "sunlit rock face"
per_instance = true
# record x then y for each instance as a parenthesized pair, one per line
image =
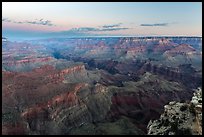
(180, 118)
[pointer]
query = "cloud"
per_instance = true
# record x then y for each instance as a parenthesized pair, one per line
(40, 22)
(154, 25)
(36, 22)
(18, 22)
(89, 29)
(84, 29)
(111, 26)
(6, 20)
(114, 27)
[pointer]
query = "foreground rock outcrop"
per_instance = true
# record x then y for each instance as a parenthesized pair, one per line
(179, 118)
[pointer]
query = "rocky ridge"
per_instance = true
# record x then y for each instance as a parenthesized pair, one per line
(179, 118)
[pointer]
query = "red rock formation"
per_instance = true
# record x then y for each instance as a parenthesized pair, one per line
(7, 74)
(142, 106)
(41, 110)
(170, 73)
(13, 129)
(59, 76)
(44, 69)
(26, 61)
(182, 49)
(133, 51)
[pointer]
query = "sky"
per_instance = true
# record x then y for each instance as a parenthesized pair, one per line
(72, 19)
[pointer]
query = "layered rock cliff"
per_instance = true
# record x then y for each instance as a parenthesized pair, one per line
(122, 84)
(182, 73)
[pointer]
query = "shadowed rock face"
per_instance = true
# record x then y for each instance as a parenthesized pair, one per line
(185, 73)
(95, 85)
(146, 101)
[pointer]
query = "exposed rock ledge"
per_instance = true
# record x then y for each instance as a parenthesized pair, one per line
(179, 118)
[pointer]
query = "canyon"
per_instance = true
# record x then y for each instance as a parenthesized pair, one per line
(94, 86)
